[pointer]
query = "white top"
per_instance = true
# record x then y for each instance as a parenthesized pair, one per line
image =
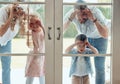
(89, 28)
(9, 34)
(81, 68)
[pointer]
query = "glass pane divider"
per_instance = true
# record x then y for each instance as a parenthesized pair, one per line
(23, 2)
(87, 3)
(20, 54)
(87, 55)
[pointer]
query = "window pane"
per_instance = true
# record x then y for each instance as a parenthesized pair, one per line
(23, 0)
(76, 27)
(18, 68)
(20, 43)
(88, 1)
(67, 63)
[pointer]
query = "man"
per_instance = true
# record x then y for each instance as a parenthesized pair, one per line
(92, 23)
(10, 19)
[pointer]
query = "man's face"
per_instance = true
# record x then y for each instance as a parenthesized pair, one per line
(82, 16)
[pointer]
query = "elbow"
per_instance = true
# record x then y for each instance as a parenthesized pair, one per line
(66, 51)
(1, 34)
(105, 34)
(96, 52)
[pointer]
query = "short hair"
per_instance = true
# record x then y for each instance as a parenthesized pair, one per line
(81, 37)
(80, 7)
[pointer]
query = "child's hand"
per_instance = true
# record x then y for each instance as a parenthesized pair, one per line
(88, 44)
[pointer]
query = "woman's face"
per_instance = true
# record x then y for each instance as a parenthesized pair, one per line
(18, 11)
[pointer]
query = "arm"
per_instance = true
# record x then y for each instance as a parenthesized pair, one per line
(94, 50)
(6, 25)
(70, 48)
(69, 20)
(103, 30)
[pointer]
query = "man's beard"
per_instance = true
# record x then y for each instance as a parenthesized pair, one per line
(83, 20)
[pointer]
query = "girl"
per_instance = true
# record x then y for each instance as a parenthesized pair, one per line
(35, 63)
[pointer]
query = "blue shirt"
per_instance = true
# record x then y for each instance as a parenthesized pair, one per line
(74, 61)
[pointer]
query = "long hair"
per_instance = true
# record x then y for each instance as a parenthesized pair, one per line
(39, 23)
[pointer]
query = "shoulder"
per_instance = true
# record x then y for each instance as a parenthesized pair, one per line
(3, 11)
(73, 51)
(3, 8)
(88, 51)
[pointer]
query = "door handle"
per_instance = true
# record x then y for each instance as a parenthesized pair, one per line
(59, 33)
(49, 36)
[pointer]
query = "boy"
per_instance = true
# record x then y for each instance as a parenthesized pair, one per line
(80, 66)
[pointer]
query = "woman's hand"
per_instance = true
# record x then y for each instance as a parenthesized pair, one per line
(12, 10)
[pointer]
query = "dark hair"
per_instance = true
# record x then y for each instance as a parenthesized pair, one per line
(81, 37)
(80, 7)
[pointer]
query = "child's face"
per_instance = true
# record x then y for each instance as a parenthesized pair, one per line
(80, 44)
(34, 24)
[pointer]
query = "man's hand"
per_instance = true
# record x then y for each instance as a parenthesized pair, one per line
(89, 14)
(72, 16)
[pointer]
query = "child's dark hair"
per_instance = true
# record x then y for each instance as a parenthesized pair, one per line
(81, 37)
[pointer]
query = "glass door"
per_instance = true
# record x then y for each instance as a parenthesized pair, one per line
(23, 56)
(116, 57)
(70, 66)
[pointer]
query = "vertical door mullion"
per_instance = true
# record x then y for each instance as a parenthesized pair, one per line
(58, 40)
(49, 42)
(116, 43)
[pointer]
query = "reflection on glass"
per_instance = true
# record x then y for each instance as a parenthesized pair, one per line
(88, 1)
(74, 25)
(68, 63)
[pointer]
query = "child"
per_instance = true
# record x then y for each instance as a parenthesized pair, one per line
(81, 66)
(35, 63)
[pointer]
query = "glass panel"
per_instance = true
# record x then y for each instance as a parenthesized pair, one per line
(18, 68)
(88, 1)
(67, 63)
(23, 42)
(89, 27)
(37, 0)
(23, 0)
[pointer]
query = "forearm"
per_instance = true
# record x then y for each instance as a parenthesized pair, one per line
(103, 30)
(69, 48)
(66, 24)
(5, 27)
(95, 51)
